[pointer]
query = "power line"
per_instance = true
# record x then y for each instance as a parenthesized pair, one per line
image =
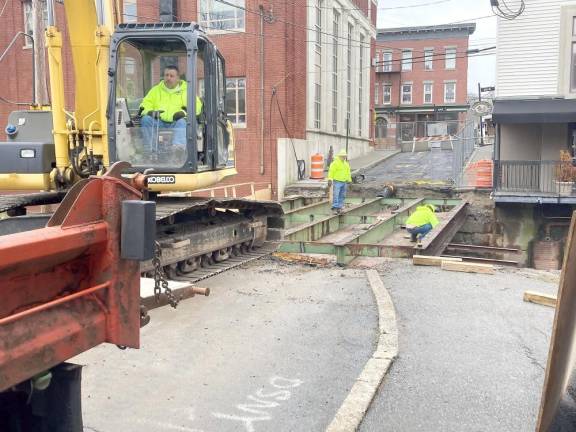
(507, 13)
(410, 61)
(379, 8)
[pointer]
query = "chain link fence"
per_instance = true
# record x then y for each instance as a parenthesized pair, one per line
(464, 143)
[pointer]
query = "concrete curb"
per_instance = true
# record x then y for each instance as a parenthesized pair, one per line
(354, 407)
(375, 162)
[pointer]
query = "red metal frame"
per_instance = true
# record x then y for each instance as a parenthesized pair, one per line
(65, 289)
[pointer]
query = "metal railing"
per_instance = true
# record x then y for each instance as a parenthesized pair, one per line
(531, 177)
(464, 143)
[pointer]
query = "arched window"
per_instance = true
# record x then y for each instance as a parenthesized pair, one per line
(381, 127)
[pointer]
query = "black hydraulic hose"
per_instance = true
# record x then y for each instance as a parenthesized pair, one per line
(14, 39)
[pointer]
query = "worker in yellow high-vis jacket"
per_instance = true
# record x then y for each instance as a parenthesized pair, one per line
(339, 176)
(164, 107)
(421, 222)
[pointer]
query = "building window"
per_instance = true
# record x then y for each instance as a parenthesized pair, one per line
(349, 76)
(406, 93)
(387, 61)
(29, 20)
(318, 66)
(236, 100)
(376, 91)
(219, 16)
(450, 92)
(377, 62)
(428, 88)
(450, 58)
(335, 45)
(361, 86)
(130, 12)
(387, 94)
(407, 60)
(428, 59)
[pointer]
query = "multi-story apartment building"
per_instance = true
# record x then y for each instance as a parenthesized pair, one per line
(299, 74)
(421, 81)
(535, 115)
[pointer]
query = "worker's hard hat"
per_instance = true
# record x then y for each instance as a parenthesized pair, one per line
(342, 153)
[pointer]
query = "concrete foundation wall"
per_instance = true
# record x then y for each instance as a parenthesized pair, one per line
(316, 143)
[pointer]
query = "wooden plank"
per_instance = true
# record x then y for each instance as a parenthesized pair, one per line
(561, 362)
(467, 267)
(539, 298)
(424, 260)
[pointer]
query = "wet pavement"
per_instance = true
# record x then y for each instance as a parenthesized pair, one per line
(430, 167)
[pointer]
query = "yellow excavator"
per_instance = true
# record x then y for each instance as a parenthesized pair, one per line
(116, 64)
(69, 279)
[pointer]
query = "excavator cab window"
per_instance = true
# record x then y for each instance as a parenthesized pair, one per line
(169, 98)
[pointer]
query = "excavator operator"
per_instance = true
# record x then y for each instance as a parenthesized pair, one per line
(164, 107)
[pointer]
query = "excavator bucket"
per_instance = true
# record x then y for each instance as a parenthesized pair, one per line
(65, 288)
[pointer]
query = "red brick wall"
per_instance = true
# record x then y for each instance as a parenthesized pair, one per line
(16, 68)
(418, 75)
(284, 68)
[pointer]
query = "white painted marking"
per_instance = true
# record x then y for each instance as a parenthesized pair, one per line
(263, 401)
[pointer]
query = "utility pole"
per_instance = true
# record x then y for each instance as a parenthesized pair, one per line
(38, 28)
(481, 118)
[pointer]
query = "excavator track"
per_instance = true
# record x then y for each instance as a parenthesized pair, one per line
(199, 237)
(229, 264)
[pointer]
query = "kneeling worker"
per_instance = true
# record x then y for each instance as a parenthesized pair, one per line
(421, 222)
(339, 175)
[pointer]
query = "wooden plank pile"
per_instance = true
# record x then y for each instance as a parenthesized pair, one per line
(452, 264)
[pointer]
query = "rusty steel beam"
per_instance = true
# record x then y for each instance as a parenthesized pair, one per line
(65, 288)
(437, 240)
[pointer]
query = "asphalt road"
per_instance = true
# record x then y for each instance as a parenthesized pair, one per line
(274, 348)
(472, 353)
(422, 167)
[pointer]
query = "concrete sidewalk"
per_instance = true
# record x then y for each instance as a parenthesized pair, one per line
(371, 159)
(310, 187)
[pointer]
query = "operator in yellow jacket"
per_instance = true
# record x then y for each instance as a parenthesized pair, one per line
(339, 175)
(421, 222)
(164, 107)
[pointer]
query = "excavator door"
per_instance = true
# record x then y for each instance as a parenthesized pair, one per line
(167, 99)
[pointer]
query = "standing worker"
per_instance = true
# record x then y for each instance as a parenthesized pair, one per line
(339, 175)
(421, 222)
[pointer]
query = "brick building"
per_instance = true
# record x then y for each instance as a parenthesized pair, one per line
(291, 93)
(421, 81)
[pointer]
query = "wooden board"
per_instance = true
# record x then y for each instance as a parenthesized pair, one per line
(424, 260)
(467, 267)
(301, 259)
(561, 362)
(539, 298)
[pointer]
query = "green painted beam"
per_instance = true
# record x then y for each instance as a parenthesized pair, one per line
(296, 221)
(307, 247)
(318, 228)
(376, 233)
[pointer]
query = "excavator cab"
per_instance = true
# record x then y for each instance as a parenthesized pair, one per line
(167, 99)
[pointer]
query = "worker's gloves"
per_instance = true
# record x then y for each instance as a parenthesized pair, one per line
(179, 115)
(140, 111)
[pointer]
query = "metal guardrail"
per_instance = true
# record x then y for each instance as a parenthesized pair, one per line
(531, 177)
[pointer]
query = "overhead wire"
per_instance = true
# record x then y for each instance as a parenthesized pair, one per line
(507, 13)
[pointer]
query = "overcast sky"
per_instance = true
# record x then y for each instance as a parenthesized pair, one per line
(481, 69)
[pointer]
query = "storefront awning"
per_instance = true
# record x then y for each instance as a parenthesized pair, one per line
(534, 111)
